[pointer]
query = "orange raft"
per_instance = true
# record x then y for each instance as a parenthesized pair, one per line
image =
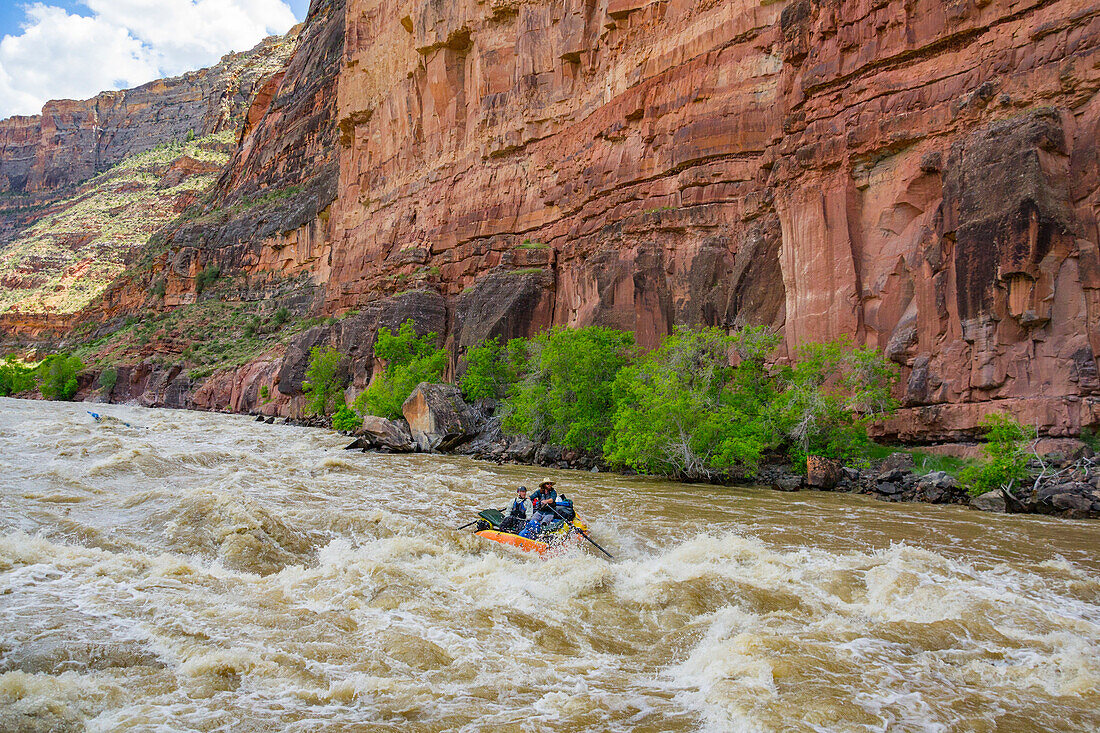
(559, 541)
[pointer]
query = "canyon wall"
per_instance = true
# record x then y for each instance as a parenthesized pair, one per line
(918, 175)
(269, 215)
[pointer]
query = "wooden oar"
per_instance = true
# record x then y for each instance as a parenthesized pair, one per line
(581, 532)
(466, 525)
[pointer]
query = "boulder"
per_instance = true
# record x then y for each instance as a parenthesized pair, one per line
(822, 473)
(380, 432)
(888, 488)
(548, 455)
(787, 483)
(990, 501)
(893, 475)
(939, 487)
(439, 418)
(897, 461)
(521, 449)
(1069, 497)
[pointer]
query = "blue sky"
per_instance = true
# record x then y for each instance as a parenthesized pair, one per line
(74, 49)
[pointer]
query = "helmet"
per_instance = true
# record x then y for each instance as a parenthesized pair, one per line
(521, 488)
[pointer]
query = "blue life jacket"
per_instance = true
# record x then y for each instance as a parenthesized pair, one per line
(519, 508)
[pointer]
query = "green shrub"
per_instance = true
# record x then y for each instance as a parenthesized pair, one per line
(346, 419)
(265, 393)
(253, 327)
(15, 377)
(565, 390)
(281, 316)
(326, 377)
(684, 411)
(487, 375)
(1005, 456)
(158, 289)
(1091, 438)
(207, 278)
(410, 360)
(827, 399)
(57, 376)
(108, 378)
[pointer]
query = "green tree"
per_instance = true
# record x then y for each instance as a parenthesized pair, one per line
(57, 376)
(1005, 452)
(325, 380)
(829, 396)
(108, 378)
(15, 377)
(346, 419)
(487, 374)
(206, 278)
(409, 360)
(564, 393)
(684, 411)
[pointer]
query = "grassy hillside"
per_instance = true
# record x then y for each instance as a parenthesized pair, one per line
(64, 259)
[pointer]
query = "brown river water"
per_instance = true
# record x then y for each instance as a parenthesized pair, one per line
(205, 572)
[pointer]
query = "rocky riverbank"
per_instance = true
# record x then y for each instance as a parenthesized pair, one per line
(437, 419)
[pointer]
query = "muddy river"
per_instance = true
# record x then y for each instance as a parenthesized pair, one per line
(167, 570)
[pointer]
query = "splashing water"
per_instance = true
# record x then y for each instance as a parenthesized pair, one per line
(205, 572)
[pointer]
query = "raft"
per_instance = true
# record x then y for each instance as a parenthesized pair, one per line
(560, 540)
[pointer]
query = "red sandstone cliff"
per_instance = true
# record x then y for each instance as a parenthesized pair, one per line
(920, 175)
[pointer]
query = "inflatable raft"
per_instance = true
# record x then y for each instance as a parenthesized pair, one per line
(559, 540)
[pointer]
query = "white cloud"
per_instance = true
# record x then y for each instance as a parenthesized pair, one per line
(124, 43)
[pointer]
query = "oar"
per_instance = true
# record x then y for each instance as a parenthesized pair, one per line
(466, 525)
(581, 532)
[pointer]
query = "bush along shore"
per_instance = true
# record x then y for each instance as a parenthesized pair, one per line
(706, 406)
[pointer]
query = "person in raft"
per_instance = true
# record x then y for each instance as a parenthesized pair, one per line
(516, 515)
(547, 516)
(545, 493)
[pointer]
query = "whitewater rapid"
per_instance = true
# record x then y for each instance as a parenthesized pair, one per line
(195, 571)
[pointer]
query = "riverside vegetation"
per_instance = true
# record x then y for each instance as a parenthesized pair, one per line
(685, 410)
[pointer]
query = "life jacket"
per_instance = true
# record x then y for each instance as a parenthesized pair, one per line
(519, 508)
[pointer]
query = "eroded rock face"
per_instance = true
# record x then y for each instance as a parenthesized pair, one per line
(920, 176)
(269, 216)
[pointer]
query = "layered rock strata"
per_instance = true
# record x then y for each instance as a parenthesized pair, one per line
(919, 176)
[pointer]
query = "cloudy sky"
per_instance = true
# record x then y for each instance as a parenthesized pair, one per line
(74, 49)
